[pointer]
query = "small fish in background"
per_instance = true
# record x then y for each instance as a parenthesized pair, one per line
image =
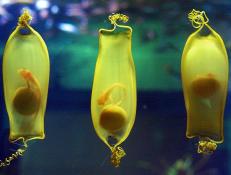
(185, 165)
(166, 47)
(149, 35)
(181, 166)
(170, 70)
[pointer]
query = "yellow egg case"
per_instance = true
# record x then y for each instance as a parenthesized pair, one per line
(113, 101)
(26, 70)
(204, 71)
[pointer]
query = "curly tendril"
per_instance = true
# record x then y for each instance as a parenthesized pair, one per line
(118, 17)
(206, 146)
(197, 18)
(19, 152)
(117, 154)
(25, 18)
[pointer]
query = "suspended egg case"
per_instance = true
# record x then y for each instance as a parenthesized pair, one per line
(113, 101)
(204, 71)
(26, 71)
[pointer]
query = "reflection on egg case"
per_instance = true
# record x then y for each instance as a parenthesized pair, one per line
(204, 70)
(26, 69)
(113, 101)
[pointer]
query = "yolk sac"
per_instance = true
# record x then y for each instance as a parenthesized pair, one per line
(113, 118)
(26, 101)
(205, 86)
